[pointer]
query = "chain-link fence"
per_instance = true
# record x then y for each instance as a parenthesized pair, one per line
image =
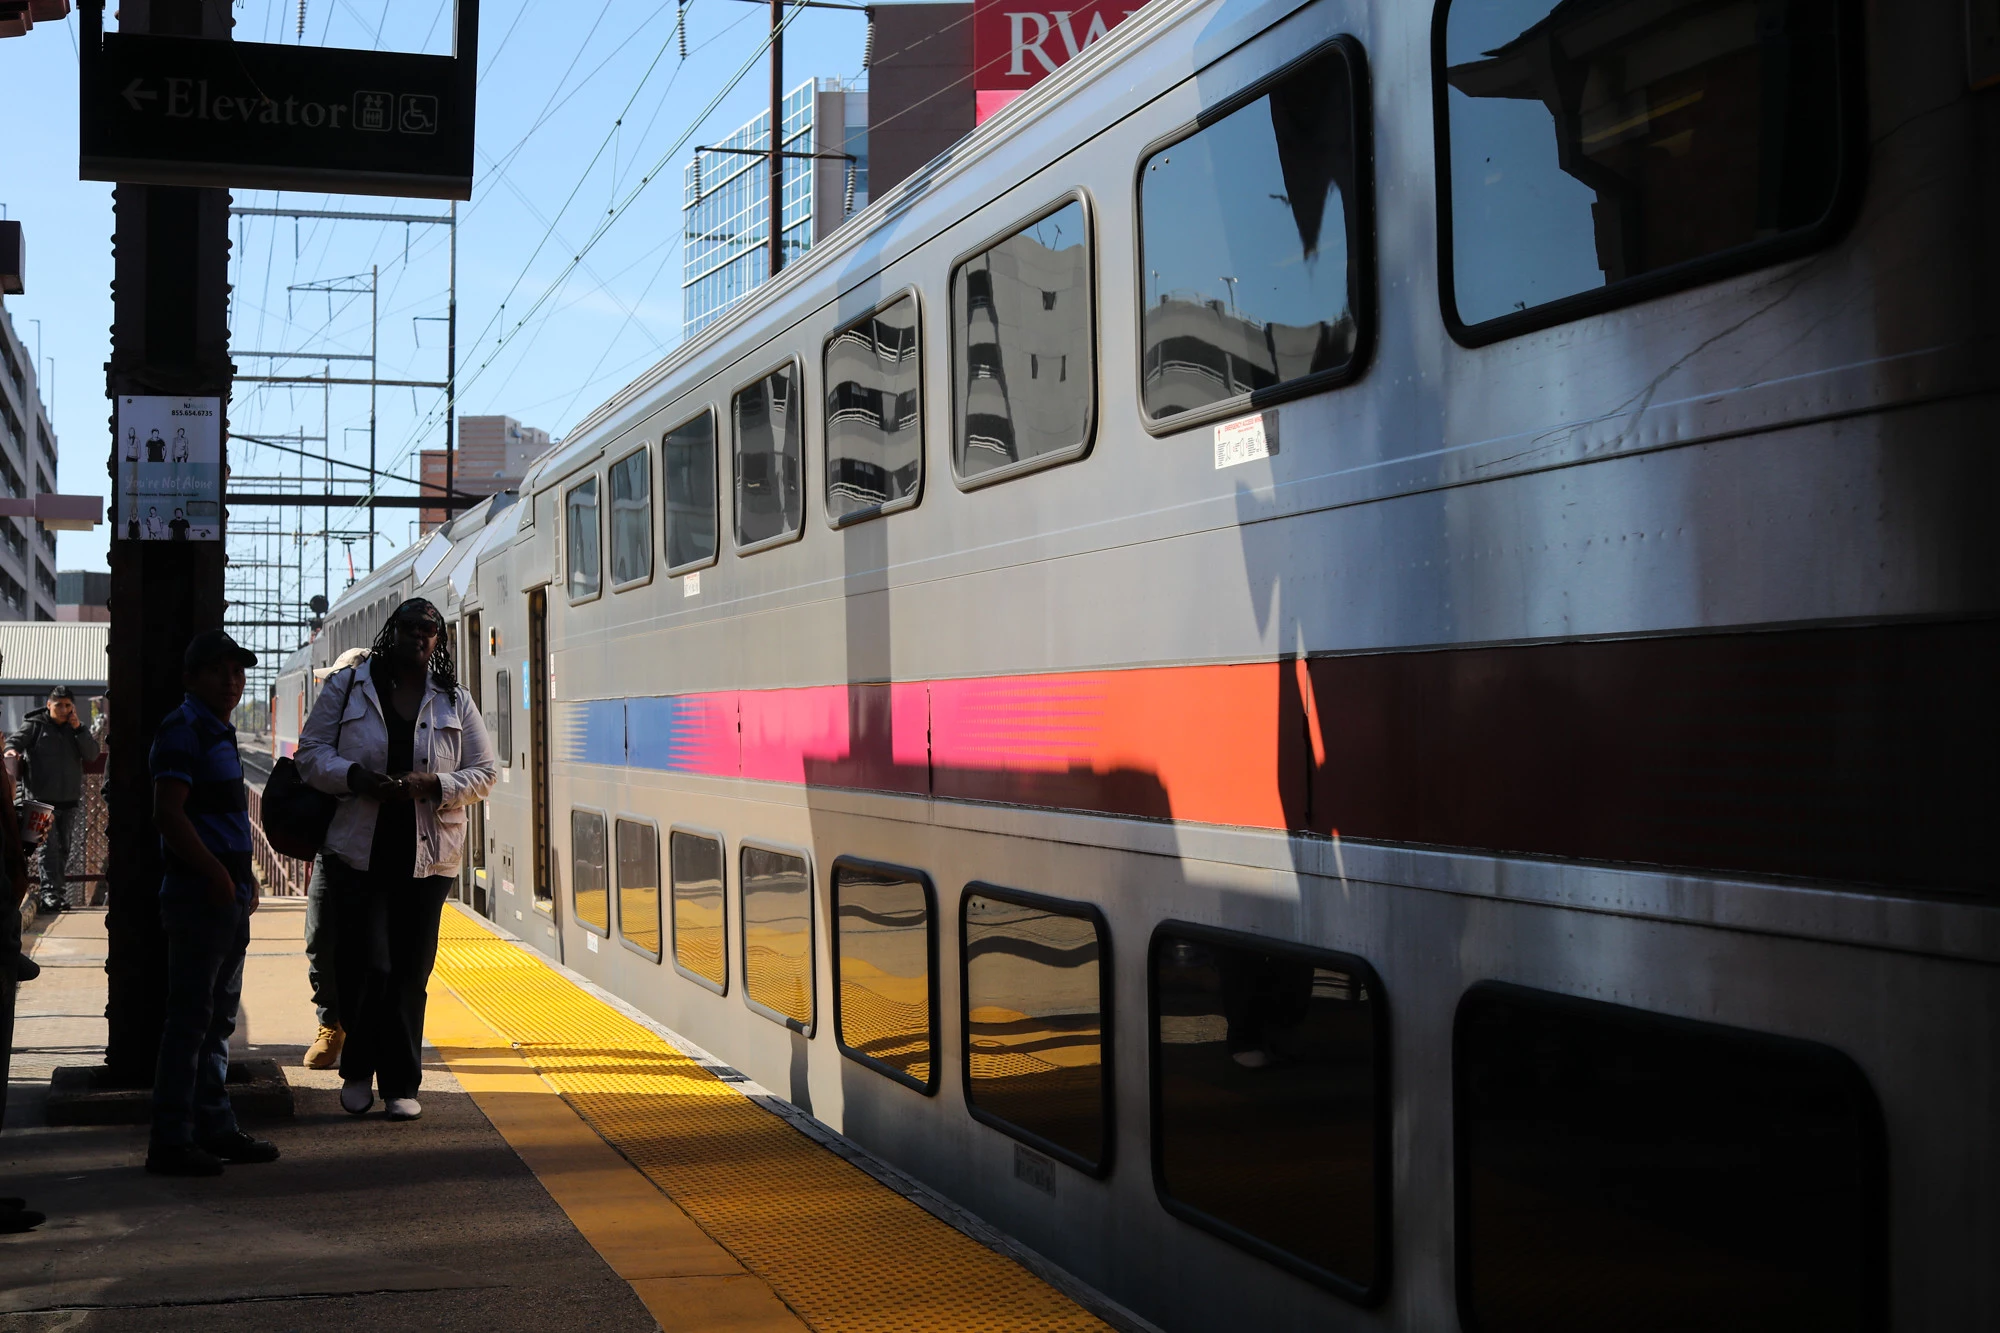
(84, 884)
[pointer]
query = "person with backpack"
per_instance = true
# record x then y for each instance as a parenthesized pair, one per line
(52, 747)
(400, 743)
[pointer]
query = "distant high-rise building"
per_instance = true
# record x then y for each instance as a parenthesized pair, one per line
(726, 196)
(83, 594)
(27, 468)
(492, 455)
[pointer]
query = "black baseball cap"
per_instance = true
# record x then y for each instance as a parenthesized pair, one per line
(214, 645)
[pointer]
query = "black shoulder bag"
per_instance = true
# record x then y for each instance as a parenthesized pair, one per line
(295, 814)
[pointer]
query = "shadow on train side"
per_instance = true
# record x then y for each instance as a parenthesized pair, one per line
(1856, 754)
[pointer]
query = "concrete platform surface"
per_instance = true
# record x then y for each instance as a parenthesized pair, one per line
(362, 1223)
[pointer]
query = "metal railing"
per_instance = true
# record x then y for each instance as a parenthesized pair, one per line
(280, 875)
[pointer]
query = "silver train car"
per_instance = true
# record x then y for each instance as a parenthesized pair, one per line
(1341, 672)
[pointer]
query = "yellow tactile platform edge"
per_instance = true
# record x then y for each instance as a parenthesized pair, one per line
(840, 1249)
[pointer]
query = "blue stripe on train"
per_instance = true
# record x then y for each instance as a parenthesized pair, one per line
(656, 733)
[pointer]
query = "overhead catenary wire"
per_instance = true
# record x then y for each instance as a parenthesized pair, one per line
(605, 223)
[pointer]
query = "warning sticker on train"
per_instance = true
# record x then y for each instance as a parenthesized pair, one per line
(1245, 440)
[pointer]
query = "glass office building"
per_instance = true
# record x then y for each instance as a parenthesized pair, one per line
(726, 195)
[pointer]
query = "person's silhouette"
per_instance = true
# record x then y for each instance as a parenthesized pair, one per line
(178, 526)
(131, 445)
(152, 523)
(181, 446)
(156, 447)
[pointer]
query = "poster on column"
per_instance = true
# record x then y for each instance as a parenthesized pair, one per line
(169, 470)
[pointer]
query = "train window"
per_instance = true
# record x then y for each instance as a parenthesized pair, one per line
(1620, 1169)
(777, 935)
(884, 988)
(503, 716)
(1592, 155)
(687, 457)
(639, 886)
(700, 923)
(580, 520)
(1252, 235)
(632, 519)
(770, 460)
(589, 886)
(1269, 1101)
(1023, 349)
(874, 414)
(1037, 993)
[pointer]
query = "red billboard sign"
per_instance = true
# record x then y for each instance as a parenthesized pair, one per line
(1018, 43)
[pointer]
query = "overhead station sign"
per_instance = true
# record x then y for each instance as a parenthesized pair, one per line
(161, 110)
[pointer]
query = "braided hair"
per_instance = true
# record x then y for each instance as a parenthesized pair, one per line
(443, 670)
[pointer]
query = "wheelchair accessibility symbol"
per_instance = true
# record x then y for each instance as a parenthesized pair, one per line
(418, 114)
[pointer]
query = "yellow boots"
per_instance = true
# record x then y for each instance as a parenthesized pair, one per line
(324, 1053)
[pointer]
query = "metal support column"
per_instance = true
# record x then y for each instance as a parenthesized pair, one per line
(169, 335)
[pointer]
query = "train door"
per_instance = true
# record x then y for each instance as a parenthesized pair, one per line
(478, 880)
(538, 757)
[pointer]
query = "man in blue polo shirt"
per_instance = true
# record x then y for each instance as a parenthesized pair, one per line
(206, 897)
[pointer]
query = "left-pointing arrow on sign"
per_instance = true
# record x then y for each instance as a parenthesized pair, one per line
(133, 94)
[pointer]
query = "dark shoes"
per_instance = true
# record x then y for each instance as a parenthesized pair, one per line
(16, 1216)
(26, 968)
(183, 1160)
(240, 1149)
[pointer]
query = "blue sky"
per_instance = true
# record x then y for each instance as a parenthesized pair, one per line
(554, 161)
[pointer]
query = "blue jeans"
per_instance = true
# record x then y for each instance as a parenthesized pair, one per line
(205, 948)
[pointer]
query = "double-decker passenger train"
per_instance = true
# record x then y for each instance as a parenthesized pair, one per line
(1342, 672)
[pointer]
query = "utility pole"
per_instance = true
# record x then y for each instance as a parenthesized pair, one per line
(450, 371)
(777, 261)
(374, 373)
(169, 335)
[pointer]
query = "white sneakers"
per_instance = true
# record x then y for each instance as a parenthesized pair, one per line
(356, 1096)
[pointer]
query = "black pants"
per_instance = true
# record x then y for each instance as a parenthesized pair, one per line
(52, 860)
(385, 946)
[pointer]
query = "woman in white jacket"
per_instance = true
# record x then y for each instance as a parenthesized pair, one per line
(398, 740)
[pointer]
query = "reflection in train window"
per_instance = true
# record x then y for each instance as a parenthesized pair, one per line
(770, 459)
(589, 886)
(1252, 262)
(883, 945)
(1620, 1169)
(700, 925)
(584, 539)
(687, 458)
(777, 935)
(1269, 1090)
(631, 518)
(1591, 144)
(1037, 996)
(639, 885)
(874, 423)
(1022, 320)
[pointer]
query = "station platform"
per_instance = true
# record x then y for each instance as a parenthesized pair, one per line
(574, 1168)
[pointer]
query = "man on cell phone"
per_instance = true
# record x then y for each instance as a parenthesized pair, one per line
(47, 758)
